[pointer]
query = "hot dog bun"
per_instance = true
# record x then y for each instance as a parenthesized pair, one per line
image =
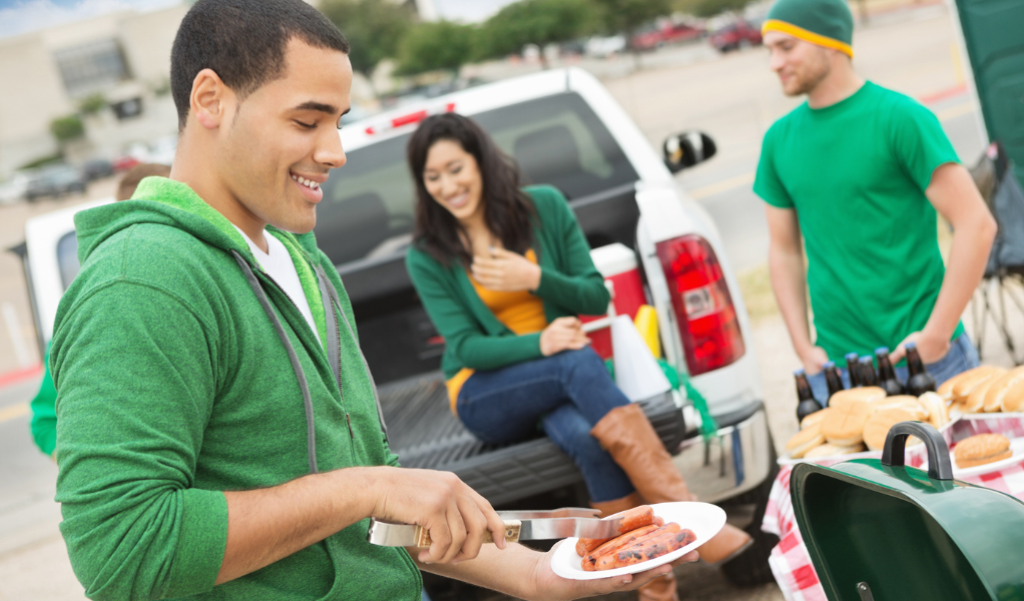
(975, 400)
(1000, 388)
(938, 412)
(965, 383)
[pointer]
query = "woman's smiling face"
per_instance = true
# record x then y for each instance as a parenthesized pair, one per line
(452, 177)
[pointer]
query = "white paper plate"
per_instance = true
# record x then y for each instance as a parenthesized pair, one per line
(704, 519)
(1016, 445)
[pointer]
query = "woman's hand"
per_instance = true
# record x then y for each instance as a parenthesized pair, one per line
(565, 333)
(930, 348)
(505, 271)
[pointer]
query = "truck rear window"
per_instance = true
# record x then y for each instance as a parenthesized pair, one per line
(367, 210)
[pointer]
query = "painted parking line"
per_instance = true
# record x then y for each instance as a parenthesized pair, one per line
(745, 179)
(13, 412)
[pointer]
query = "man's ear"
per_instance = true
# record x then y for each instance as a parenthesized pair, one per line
(209, 99)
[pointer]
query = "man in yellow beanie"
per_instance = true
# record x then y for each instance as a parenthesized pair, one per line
(856, 175)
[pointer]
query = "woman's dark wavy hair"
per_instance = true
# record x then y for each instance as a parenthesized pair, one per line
(508, 211)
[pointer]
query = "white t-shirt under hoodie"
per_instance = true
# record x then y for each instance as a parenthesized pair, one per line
(279, 266)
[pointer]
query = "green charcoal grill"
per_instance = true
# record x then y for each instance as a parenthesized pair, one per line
(877, 530)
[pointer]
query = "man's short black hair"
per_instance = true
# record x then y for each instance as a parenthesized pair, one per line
(244, 42)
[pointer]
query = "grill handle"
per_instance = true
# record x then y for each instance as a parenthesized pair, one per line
(939, 467)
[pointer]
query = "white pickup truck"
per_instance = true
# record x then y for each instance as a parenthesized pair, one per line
(564, 129)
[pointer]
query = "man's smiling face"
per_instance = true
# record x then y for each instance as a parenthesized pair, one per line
(282, 140)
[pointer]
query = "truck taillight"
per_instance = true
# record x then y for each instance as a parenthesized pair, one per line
(703, 306)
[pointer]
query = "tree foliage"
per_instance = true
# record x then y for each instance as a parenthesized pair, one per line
(434, 46)
(710, 8)
(626, 16)
(68, 128)
(539, 22)
(90, 105)
(374, 28)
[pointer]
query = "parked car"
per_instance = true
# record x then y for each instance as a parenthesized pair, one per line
(563, 129)
(14, 188)
(57, 180)
(125, 162)
(739, 34)
(97, 168)
(603, 47)
(656, 36)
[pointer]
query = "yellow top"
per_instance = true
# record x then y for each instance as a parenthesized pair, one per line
(522, 312)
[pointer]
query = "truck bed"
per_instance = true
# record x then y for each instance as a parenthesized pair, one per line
(425, 435)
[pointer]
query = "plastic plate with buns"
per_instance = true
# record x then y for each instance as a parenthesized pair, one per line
(857, 421)
(986, 457)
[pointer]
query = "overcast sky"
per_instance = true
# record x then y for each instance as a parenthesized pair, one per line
(23, 16)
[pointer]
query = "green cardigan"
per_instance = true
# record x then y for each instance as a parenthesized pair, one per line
(570, 285)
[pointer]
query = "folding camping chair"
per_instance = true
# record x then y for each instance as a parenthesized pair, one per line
(1004, 272)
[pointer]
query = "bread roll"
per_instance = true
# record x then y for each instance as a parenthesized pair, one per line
(866, 394)
(938, 412)
(814, 418)
(1013, 400)
(975, 401)
(804, 441)
(907, 403)
(946, 389)
(998, 389)
(981, 449)
(877, 427)
(966, 382)
(844, 426)
(831, 450)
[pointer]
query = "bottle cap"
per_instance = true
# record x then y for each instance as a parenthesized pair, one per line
(882, 349)
(828, 364)
(799, 372)
(866, 358)
(910, 345)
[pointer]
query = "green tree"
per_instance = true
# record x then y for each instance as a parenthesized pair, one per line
(90, 105)
(539, 22)
(710, 8)
(434, 46)
(66, 129)
(374, 28)
(626, 16)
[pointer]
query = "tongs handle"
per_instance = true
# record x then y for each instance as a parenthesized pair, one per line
(512, 529)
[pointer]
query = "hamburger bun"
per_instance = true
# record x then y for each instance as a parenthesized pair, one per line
(981, 449)
(866, 394)
(965, 383)
(938, 412)
(831, 450)
(877, 427)
(804, 441)
(814, 418)
(998, 390)
(975, 400)
(844, 427)
(907, 403)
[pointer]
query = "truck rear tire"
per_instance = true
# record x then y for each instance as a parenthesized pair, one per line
(751, 567)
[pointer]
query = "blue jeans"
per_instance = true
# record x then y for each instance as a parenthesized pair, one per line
(568, 393)
(961, 356)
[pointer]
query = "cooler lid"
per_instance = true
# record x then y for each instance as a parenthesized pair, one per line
(878, 530)
(613, 259)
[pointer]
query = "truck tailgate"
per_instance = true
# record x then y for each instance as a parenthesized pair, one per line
(426, 435)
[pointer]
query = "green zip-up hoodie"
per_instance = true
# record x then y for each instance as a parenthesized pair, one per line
(174, 386)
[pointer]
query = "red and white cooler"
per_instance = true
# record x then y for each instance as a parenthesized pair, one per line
(618, 264)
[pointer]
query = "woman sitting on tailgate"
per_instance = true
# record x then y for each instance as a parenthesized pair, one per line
(503, 272)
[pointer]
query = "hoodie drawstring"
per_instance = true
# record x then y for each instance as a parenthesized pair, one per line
(261, 295)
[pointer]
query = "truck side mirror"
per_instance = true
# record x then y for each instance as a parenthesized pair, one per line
(687, 149)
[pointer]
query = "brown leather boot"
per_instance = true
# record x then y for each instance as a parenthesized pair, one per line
(659, 589)
(634, 445)
(614, 506)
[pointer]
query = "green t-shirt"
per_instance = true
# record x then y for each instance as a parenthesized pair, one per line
(856, 173)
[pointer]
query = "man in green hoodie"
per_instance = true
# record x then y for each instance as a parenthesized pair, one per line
(217, 430)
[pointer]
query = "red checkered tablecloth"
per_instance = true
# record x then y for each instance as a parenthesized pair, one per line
(790, 561)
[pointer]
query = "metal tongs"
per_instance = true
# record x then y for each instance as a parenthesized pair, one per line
(519, 525)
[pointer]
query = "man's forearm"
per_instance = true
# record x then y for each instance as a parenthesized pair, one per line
(270, 524)
(967, 257)
(508, 571)
(788, 283)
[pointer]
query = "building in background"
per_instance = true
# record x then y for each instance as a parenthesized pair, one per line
(123, 58)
